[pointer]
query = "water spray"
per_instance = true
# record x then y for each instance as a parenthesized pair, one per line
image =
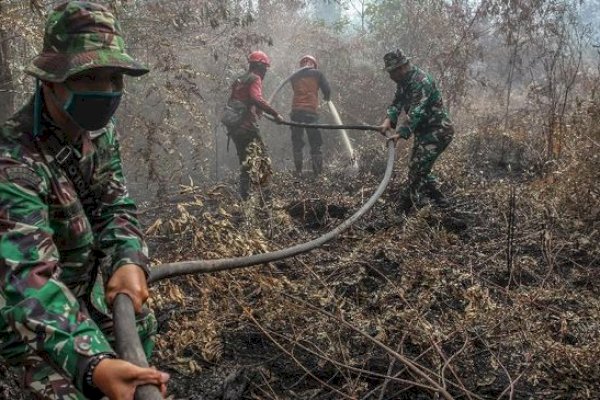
(338, 120)
(332, 110)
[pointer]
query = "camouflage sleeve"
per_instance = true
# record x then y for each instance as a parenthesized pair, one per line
(34, 304)
(115, 224)
(392, 114)
(420, 93)
(393, 109)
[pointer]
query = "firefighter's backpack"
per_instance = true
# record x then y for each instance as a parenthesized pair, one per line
(234, 113)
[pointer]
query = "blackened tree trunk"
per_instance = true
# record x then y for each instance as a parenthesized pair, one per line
(7, 96)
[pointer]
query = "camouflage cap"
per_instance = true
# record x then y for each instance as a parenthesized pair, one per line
(394, 59)
(81, 35)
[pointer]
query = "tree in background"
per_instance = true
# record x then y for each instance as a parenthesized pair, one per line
(6, 84)
(489, 50)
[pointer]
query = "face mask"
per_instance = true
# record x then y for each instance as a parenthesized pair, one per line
(92, 110)
(261, 70)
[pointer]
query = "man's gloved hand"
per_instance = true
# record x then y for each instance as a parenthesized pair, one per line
(279, 119)
(131, 280)
(118, 379)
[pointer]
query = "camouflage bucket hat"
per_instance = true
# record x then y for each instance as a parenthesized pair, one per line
(394, 59)
(80, 35)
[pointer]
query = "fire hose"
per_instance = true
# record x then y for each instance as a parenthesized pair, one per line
(204, 266)
(328, 126)
(128, 344)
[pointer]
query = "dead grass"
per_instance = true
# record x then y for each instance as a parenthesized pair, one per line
(397, 308)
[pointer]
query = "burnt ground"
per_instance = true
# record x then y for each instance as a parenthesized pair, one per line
(496, 296)
(489, 298)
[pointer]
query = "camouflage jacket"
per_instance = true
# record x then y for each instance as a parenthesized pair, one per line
(419, 97)
(48, 244)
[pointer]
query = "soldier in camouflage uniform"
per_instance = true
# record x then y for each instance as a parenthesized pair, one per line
(70, 240)
(419, 101)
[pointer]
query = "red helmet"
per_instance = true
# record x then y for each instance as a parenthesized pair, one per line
(259, 57)
(308, 58)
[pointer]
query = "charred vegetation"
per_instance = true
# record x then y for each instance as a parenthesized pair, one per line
(495, 296)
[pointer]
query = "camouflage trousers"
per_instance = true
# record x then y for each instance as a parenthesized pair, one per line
(314, 140)
(427, 147)
(255, 164)
(41, 380)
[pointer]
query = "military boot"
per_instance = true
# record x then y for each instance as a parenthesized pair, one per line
(298, 162)
(244, 185)
(266, 196)
(317, 164)
(430, 190)
(406, 201)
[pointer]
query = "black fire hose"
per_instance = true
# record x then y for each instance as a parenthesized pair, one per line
(328, 126)
(203, 266)
(129, 346)
(128, 343)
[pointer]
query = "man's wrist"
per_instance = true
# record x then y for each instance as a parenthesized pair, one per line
(392, 114)
(143, 266)
(89, 388)
(403, 132)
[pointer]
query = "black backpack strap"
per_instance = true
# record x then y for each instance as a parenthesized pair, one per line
(66, 158)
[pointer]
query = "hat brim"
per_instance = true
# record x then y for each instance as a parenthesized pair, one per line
(57, 67)
(393, 67)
